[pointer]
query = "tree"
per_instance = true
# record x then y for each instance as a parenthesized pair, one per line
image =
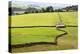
(43, 10)
(71, 8)
(49, 9)
(58, 10)
(31, 10)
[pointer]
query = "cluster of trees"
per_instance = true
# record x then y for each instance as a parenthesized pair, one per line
(51, 9)
(71, 8)
(43, 10)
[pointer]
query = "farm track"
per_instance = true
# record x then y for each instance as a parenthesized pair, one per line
(61, 35)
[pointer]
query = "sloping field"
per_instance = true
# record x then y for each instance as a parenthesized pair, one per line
(39, 19)
(44, 34)
(44, 19)
(66, 42)
(30, 35)
(69, 18)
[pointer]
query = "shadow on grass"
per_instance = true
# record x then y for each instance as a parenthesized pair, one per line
(32, 44)
(40, 26)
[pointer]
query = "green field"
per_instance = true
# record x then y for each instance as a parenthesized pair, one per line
(49, 19)
(28, 35)
(66, 42)
(44, 34)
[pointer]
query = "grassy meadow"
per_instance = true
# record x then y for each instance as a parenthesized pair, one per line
(43, 19)
(28, 35)
(66, 42)
(44, 34)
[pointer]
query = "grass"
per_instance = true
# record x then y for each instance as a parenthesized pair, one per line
(28, 35)
(69, 41)
(70, 18)
(35, 19)
(43, 19)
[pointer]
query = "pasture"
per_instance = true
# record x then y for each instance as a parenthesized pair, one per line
(27, 35)
(44, 19)
(44, 34)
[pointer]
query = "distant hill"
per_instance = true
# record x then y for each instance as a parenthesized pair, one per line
(39, 5)
(17, 9)
(73, 8)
